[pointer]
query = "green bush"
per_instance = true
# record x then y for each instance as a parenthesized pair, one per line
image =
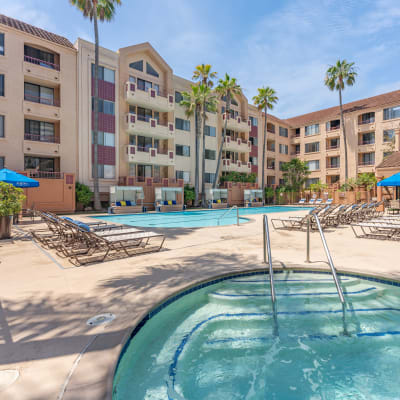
(238, 177)
(11, 199)
(83, 194)
(188, 193)
(269, 194)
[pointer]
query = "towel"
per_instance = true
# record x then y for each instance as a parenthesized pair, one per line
(170, 202)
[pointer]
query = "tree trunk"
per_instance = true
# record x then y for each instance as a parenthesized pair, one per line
(263, 156)
(228, 106)
(197, 150)
(346, 166)
(95, 167)
(203, 160)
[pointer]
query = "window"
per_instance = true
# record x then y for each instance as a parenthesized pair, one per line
(1, 44)
(132, 79)
(1, 84)
(106, 139)
(334, 162)
(367, 118)
(182, 124)
(39, 130)
(253, 141)
(2, 162)
(387, 153)
(389, 113)
(178, 97)
(281, 163)
(283, 149)
(281, 182)
(311, 147)
(253, 160)
(210, 154)
(311, 130)
(105, 106)
(146, 85)
(368, 159)
(138, 65)
(106, 171)
(283, 132)
(40, 57)
(333, 125)
(106, 74)
(297, 149)
(209, 177)
(254, 121)
(185, 175)
(334, 144)
(270, 128)
(182, 150)
(39, 94)
(388, 136)
(311, 181)
(368, 138)
(39, 163)
(151, 71)
(211, 131)
(2, 126)
(313, 165)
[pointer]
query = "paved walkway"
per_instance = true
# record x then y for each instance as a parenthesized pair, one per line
(45, 301)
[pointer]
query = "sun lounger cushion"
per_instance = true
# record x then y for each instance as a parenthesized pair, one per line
(128, 203)
(174, 202)
(170, 202)
(123, 203)
(214, 201)
(118, 204)
(83, 226)
(219, 201)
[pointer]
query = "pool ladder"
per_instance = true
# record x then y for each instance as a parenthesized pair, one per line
(268, 260)
(227, 212)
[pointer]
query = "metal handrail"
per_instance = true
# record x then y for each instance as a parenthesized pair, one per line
(330, 261)
(267, 250)
(227, 212)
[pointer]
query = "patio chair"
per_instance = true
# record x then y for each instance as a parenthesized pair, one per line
(318, 201)
(302, 201)
(376, 230)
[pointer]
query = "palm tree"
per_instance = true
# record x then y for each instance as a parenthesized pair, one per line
(103, 10)
(265, 101)
(226, 88)
(205, 76)
(339, 76)
(192, 104)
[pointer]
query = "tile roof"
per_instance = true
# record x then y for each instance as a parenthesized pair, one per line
(334, 112)
(33, 30)
(391, 161)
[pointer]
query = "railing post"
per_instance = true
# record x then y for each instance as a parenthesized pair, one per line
(308, 239)
(237, 216)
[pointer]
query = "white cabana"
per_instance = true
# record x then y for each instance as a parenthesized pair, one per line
(168, 198)
(253, 197)
(125, 199)
(217, 198)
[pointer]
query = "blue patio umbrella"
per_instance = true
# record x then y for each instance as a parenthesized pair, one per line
(393, 180)
(16, 179)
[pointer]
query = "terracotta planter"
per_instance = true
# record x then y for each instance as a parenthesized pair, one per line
(5, 227)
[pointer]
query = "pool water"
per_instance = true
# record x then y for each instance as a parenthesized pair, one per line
(193, 219)
(220, 343)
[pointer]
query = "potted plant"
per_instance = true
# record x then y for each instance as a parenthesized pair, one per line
(11, 199)
(83, 196)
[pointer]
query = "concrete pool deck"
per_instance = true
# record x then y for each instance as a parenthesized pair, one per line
(45, 301)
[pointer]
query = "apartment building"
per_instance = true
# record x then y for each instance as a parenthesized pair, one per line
(372, 131)
(145, 137)
(37, 100)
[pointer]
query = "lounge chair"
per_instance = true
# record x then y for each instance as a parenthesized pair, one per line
(318, 201)
(311, 201)
(302, 201)
(376, 230)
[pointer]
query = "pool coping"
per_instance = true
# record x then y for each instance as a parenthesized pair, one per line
(159, 306)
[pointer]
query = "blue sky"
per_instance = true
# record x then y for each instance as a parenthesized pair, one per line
(285, 44)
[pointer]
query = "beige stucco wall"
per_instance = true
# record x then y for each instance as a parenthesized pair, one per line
(16, 71)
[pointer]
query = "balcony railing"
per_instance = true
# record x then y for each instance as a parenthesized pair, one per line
(366, 121)
(366, 163)
(46, 174)
(161, 91)
(143, 149)
(147, 118)
(162, 151)
(332, 166)
(42, 63)
(42, 138)
(333, 128)
(363, 142)
(294, 153)
(42, 100)
(270, 166)
(333, 147)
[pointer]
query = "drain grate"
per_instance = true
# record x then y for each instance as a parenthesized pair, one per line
(7, 378)
(100, 319)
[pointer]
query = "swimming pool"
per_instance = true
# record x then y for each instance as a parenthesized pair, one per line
(193, 219)
(219, 342)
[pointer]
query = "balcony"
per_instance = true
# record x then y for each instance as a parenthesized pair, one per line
(150, 98)
(367, 125)
(41, 145)
(42, 106)
(46, 174)
(333, 132)
(366, 146)
(238, 145)
(332, 168)
(150, 127)
(237, 124)
(39, 70)
(333, 150)
(146, 155)
(236, 166)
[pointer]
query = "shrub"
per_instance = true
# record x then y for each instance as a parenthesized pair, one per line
(188, 193)
(11, 199)
(83, 194)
